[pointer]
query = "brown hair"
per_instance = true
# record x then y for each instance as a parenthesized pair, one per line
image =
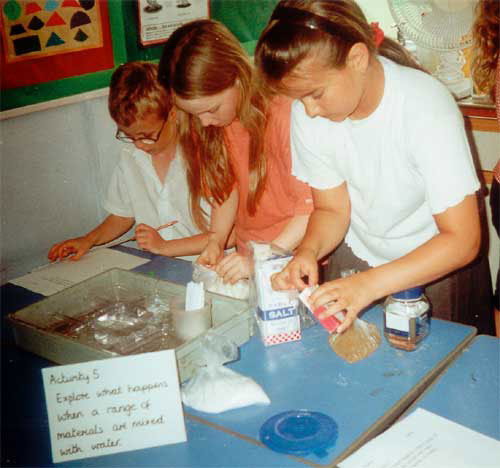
(200, 59)
(486, 37)
(134, 92)
(298, 26)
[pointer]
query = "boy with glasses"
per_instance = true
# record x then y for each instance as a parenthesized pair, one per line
(148, 187)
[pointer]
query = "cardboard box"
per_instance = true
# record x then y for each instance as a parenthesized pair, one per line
(267, 297)
(279, 325)
(40, 328)
(277, 312)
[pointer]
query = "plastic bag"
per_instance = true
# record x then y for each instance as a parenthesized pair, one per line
(213, 283)
(360, 339)
(357, 342)
(215, 388)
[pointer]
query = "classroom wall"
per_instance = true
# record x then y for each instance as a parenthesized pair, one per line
(55, 165)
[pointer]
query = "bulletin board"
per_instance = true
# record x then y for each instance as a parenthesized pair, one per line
(63, 48)
(68, 47)
(245, 18)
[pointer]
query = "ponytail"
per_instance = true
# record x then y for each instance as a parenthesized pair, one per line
(298, 26)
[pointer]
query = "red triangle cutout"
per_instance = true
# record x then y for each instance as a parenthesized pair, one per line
(71, 3)
(31, 8)
(55, 20)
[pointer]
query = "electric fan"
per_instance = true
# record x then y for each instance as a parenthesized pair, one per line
(444, 26)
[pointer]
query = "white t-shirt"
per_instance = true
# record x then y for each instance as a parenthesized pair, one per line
(408, 160)
(135, 191)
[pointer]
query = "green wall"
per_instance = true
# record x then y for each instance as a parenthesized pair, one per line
(245, 18)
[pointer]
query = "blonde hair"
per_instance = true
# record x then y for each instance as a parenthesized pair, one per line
(135, 92)
(200, 59)
(297, 27)
(486, 37)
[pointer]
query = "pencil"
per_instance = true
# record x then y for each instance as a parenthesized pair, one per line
(113, 244)
(159, 228)
(163, 226)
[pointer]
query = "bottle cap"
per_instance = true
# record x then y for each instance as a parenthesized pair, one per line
(412, 293)
(299, 432)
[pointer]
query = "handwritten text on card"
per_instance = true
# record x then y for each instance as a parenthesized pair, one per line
(113, 405)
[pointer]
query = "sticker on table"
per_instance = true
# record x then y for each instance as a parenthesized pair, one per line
(113, 405)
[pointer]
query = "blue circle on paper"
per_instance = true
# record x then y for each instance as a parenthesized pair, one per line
(299, 432)
(51, 5)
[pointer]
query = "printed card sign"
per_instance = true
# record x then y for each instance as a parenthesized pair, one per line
(158, 19)
(113, 405)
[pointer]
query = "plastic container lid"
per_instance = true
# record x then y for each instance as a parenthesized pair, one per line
(299, 432)
(412, 293)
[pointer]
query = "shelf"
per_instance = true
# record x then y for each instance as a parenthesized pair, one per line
(479, 116)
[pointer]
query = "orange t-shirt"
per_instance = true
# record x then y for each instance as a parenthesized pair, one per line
(284, 195)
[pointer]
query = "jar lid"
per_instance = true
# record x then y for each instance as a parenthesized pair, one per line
(412, 293)
(299, 432)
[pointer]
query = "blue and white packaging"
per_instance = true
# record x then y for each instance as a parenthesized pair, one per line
(277, 311)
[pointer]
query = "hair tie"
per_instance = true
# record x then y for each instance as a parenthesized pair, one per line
(378, 34)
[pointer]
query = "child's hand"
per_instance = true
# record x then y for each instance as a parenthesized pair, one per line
(351, 294)
(211, 254)
(234, 267)
(75, 248)
(291, 277)
(149, 239)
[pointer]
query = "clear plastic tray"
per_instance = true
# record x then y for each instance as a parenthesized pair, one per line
(120, 312)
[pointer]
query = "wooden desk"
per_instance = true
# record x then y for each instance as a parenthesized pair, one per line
(363, 398)
(481, 118)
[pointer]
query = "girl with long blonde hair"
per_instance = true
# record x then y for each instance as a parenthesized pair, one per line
(235, 141)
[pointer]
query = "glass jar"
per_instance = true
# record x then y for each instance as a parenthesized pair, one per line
(406, 318)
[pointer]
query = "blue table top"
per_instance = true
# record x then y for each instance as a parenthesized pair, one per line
(363, 398)
(26, 440)
(468, 391)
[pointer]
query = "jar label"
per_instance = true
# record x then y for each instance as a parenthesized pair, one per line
(409, 328)
(396, 322)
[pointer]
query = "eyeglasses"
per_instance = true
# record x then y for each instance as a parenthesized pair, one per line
(120, 135)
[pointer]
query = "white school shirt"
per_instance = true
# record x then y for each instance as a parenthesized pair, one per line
(135, 191)
(406, 161)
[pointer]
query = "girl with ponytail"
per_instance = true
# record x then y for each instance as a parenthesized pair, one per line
(383, 146)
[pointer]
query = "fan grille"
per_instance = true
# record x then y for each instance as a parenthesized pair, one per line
(430, 25)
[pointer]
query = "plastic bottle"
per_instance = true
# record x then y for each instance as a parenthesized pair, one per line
(406, 318)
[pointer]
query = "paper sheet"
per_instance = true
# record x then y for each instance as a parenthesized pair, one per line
(55, 277)
(426, 440)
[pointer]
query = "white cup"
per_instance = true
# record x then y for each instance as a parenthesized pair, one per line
(189, 324)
